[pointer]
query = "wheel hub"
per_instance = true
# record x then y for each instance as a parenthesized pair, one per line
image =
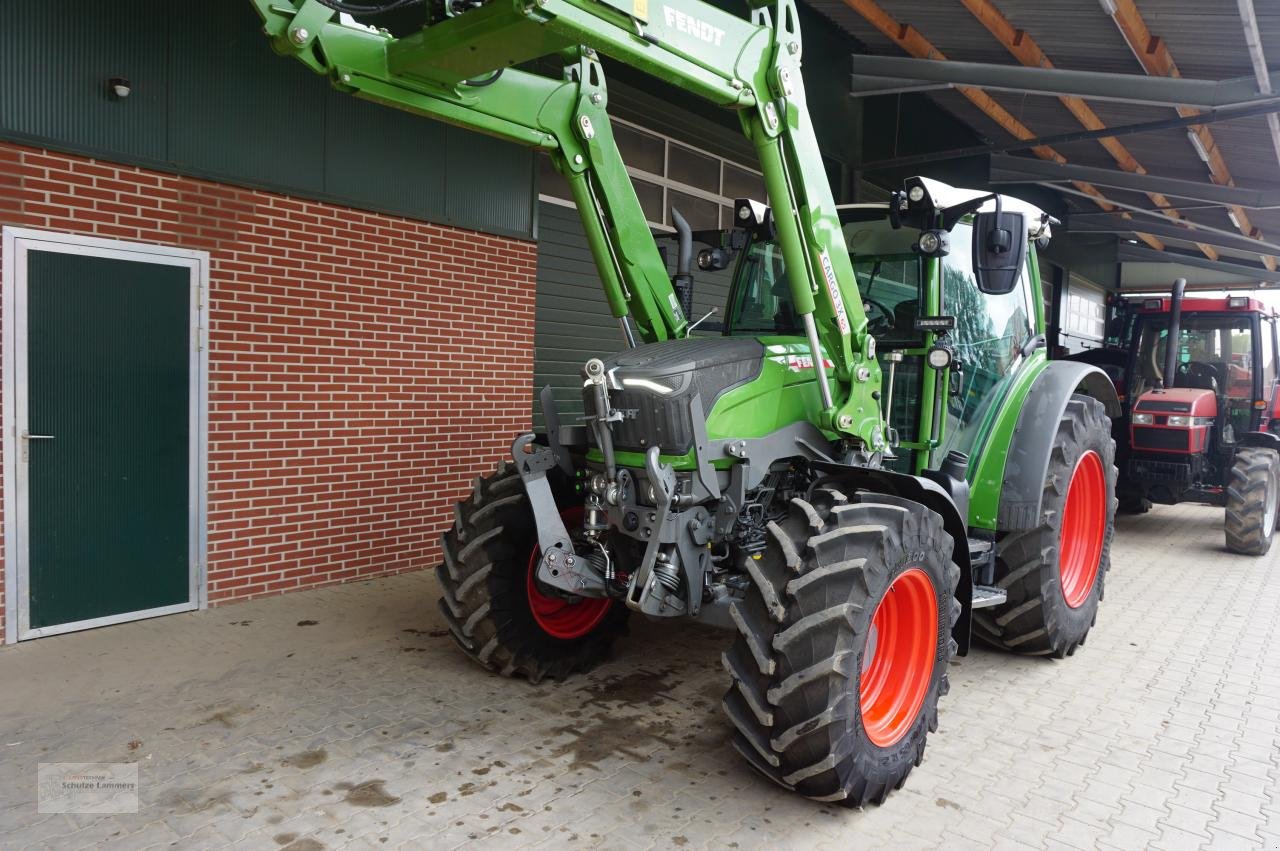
(556, 616)
(1084, 526)
(897, 663)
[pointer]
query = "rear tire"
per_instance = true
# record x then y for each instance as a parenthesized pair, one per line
(1054, 576)
(812, 692)
(485, 579)
(1253, 488)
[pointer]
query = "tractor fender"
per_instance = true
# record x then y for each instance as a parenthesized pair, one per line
(934, 497)
(1027, 461)
(1261, 439)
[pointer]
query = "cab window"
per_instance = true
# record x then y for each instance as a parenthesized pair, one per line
(989, 338)
(888, 274)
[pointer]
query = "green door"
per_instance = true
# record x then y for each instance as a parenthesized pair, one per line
(105, 442)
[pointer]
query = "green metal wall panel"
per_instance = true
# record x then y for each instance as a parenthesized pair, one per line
(482, 174)
(210, 99)
(56, 57)
(238, 109)
(371, 169)
(108, 377)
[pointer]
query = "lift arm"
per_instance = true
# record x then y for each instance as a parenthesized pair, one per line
(459, 69)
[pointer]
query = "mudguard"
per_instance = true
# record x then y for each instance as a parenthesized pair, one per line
(1027, 461)
(931, 495)
(1261, 439)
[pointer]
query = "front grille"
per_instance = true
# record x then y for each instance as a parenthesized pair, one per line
(1159, 471)
(905, 415)
(650, 420)
(1166, 439)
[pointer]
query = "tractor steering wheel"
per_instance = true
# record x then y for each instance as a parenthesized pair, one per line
(879, 320)
(1193, 374)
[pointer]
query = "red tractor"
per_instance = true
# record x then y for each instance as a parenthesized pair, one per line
(1200, 416)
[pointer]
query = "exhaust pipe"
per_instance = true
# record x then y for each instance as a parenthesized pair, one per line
(1171, 342)
(683, 280)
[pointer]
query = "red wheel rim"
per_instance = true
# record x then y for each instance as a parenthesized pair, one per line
(1084, 524)
(558, 617)
(897, 665)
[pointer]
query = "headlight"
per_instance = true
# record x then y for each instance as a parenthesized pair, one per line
(933, 243)
(1181, 422)
(1142, 419)
(646, 384)
(939, 357)
(916, 194)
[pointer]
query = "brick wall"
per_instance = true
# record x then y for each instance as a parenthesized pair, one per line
(363, 368)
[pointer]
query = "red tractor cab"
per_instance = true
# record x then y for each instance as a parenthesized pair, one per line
(1201, 410)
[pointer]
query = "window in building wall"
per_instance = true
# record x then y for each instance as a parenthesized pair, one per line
(1084, 312)
(701, 185)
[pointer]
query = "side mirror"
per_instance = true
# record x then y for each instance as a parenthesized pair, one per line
(999, 250)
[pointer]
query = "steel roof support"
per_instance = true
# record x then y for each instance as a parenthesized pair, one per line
(1009, 169)
(1154, 214)
(1253, 38)
(1128, 88)
(914, 43)
(1023, 47)
(1141, 254)
(1117, 131)
(1107, 223)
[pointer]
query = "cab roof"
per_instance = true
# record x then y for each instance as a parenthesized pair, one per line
(1223, 304)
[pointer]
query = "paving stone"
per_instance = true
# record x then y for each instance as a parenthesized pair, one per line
(370, 726)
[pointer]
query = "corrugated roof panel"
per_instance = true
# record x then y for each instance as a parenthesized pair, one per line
(1205, 38)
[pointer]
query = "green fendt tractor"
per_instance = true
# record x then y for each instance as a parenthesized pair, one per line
(874, 461)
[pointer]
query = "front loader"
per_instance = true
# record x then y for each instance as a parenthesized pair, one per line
(873, 462)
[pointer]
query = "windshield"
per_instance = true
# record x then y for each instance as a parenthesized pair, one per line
(1215, 352)
(888, 274)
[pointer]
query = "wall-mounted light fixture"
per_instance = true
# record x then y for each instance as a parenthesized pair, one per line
(118, 88)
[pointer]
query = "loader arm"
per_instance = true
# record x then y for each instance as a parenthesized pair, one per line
(459, 69)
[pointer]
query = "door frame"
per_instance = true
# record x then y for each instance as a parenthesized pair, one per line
(17, 242)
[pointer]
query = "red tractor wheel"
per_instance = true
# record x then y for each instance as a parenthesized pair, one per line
(1053, 574)
(843, 645)
(496, 610)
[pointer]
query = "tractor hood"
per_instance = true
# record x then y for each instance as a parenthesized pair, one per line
(652, 386)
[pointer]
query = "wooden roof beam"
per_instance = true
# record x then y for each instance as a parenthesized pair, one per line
(1154, 57)
(914, 43)
(1025, 49)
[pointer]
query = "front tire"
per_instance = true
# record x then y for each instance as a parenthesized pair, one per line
(1053, 574)
(843, 645)
(495, 610)
(1252, 494)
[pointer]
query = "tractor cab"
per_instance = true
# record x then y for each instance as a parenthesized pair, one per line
(1190, 405)
(949, 352)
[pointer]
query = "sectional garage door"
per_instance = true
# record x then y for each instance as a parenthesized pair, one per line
(573, 320)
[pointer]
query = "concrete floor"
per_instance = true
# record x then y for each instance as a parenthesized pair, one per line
(346, 717)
